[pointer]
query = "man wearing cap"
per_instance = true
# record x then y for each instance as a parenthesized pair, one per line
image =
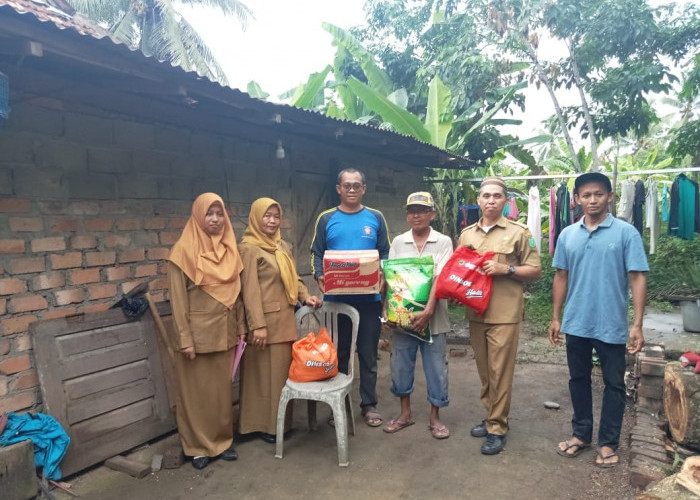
(353, 226)
(494, 335)
(421, 241)
(598, 259)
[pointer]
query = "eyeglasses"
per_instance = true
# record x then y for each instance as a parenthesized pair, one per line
(352, 187)
(418, 210)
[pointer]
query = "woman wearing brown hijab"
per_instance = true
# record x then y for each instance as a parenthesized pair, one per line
(208, 317)
(271, 289)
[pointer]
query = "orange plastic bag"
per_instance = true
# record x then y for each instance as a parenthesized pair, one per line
(313, 358)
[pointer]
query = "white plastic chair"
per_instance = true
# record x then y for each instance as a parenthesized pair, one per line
(335, 391)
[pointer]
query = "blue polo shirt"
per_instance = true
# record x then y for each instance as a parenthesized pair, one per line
(598, 263)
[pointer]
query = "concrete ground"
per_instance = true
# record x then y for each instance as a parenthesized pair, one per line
(406, 465)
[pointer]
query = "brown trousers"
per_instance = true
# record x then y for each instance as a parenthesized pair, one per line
(495, 347)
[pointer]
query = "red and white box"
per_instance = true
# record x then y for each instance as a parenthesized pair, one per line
(351, 272)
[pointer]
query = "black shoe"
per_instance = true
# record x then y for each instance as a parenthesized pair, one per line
(229, 454)
(479, 430)
(200, 462)
(268, 438)
(493, 444)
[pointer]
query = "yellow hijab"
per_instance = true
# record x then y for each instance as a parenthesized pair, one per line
(210, 261)
(254, 235)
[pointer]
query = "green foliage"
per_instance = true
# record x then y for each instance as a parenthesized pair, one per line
(674, 269)
(538, 297)
(157, 29)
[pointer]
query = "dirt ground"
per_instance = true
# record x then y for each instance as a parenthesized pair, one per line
(406, 465)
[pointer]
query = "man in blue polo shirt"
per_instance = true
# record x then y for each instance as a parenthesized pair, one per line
(352, 226)
(598, 260)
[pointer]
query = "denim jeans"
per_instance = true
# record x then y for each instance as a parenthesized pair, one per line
(403, 366)
(612, 362)
(367, 343)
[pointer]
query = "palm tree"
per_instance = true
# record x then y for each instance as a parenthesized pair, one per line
(157, 29)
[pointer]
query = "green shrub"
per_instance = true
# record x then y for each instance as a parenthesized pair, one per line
(674, 269)
(538, 297)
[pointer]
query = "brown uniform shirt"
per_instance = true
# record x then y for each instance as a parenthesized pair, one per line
(264, 294)
(514, 246)
(199, 319)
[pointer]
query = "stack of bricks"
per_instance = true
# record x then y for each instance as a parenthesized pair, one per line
(648, 457)
(650, 367)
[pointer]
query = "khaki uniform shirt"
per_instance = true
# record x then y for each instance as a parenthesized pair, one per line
(199, 319)
(514, 246)
(264, 294)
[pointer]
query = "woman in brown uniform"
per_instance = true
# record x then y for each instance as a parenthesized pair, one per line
(271, 289)
(208, 315)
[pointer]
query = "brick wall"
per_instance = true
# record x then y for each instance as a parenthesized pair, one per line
(90, 204)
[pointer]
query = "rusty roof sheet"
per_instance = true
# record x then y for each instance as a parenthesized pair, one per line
(60, 13)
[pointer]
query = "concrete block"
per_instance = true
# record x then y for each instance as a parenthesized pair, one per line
(654, 351)
(111, 161)
(651, 381)
(173, 458)
(138, 186)
(32, 118)
(16, 147)
(6, 186)
(17, 471)
(63, 155)
(154, 162)
(652, 404)
(205, 145)
(134, 135)
(95, 186)
(175, 188)
(653, 367)
(29, 181)
(88, 129)
(172, 139)
(650, 391)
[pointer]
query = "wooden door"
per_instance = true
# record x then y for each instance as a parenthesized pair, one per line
(101, 377)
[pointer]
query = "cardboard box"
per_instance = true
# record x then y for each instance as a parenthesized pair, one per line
(351, 272)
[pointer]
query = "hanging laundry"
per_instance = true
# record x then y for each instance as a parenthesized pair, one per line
(48, 437)
(624, 209)
(534, 219)
(637, 210)
(513, 212)
(664, 203)
(552, 219)
(563, 212)
(466, 216)
(685, 208)
(652, 219)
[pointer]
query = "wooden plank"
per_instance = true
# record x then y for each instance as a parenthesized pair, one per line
(104, 398)
(131, 467)
(102, 360)
(109, 379)
(98, 338)
(114, 420)
(108, 400)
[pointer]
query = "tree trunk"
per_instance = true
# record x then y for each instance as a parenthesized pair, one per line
(586, 110)
(682, 404)
(557, 109)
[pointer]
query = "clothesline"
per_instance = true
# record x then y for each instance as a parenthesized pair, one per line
(568, 176)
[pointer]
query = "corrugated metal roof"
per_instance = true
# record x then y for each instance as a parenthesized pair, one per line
(55, 14)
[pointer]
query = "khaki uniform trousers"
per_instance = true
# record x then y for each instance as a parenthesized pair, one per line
(495, 347)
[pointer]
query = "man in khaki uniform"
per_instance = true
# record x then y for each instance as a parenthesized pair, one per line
(494, 335)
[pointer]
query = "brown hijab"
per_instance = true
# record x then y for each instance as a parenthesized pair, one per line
(254, 235)
(210, 261)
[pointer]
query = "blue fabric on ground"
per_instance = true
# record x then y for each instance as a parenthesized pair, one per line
(49, 439)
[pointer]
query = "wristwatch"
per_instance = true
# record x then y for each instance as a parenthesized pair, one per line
(511, 270)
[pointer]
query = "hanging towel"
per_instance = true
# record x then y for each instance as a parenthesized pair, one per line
(534, 220)
(637, 210)
(49, 439)
(552, 219)
(624, 209)
(512, 209)
(652, 203)
(664, 203)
